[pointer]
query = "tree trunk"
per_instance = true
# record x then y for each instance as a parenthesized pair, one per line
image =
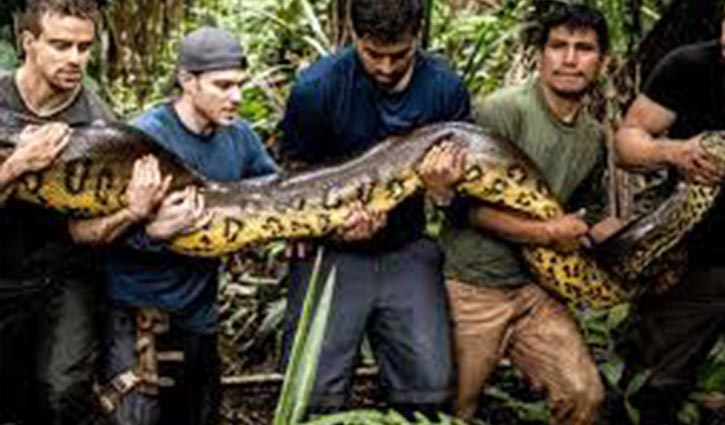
(137, 47)
(339, 27)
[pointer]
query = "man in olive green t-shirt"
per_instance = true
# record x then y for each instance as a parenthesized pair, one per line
(497, 309)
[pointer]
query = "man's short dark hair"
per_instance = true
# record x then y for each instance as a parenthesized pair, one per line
(31, 18)
(386, 21)
(574, 17)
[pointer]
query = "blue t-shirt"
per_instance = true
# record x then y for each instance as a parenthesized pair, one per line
(141, 272)
(336, 110)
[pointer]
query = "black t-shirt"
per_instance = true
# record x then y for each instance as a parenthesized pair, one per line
(690, 81)
(34, 243)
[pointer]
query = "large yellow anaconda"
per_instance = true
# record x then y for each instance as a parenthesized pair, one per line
(90, 177)
(649, 237)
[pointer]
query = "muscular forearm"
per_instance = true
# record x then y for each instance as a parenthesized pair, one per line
(510, 226)
(8, 173)
(101, 230)
(636, 148)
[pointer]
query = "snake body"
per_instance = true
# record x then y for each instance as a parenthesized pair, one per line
(649, 237)
(90, 177)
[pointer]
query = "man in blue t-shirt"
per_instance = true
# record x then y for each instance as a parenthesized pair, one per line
(389, 282)
(201, 127)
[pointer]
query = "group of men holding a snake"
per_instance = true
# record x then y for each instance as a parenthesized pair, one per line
(440, 315)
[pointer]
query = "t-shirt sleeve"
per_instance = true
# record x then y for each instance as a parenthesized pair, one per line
(259, 161)
(459, 103)
(500, 115)
(302, 128)
(100, 111)
(665, 83)
(151, 125)
(146, 123)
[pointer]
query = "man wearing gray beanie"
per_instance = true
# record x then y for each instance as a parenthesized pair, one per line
(201, 126)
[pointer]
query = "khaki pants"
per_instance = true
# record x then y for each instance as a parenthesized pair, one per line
(538, 335)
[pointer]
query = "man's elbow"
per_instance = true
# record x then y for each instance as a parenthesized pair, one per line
(623, 152)
(77, 235)
(83, 234)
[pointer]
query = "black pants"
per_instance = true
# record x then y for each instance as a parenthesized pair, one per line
(192, 400)
(398, 298)
(48, 347)
(673, 335)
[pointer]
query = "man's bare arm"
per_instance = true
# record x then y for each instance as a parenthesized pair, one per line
(145, 192)
(101, 230)
(639, 143)
(515, 227)
(9, 172)
(37, 147)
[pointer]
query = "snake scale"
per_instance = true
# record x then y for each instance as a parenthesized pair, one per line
(90, 177)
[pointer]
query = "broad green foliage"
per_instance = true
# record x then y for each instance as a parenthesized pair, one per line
(280, 38)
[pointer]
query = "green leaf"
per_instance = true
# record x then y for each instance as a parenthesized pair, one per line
(637, 383)
(632, 388)
(313, 346)
(617, 315)
(689, 414)
(711, 377)
(612, 372)
(302, 367)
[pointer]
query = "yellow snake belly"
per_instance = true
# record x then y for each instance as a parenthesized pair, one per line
(91, 175)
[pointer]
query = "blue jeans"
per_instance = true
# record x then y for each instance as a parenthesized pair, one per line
(192, 400)
(398, 298)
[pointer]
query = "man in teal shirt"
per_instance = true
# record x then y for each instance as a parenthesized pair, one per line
(497, 308)
(201, 127)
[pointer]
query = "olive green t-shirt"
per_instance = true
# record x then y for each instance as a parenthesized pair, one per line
(565, 154)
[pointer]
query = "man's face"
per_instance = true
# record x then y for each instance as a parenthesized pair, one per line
(61, 51)
(216, 95)
(570, 61)
(388, 64)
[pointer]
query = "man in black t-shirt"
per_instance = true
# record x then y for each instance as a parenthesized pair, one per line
(47, 286)
(682, 98)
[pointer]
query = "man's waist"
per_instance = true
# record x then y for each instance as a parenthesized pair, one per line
(200, 318)
(169, 286)
(48, 262)
(489, 278)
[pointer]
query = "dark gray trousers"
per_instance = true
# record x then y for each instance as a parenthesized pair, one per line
(48, 347)
(673, 334)
(398, 298)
